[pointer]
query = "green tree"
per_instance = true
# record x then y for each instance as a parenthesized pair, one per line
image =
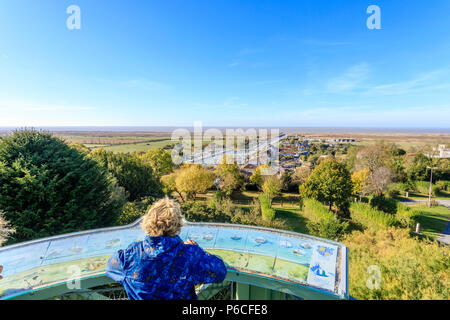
(329, 183)
(160, 160)
(230, 175)
(170, 185)
(48, 188)
(257, 178)
(193, 179)
(271, 188)
(417, 167)
(131, 172)
(5, 229)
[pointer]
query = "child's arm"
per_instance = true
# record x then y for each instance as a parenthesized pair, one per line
(209, 268)
(115, 266)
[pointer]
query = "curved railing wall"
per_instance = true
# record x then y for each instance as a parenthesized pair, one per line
(283, 261)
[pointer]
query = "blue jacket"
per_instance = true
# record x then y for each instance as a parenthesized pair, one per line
(164, 268)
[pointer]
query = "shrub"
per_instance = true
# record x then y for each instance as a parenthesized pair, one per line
(49, 188)
(255, 219)
(409, 269)
(406, 216)
(443, 185)
(370, 217)
(329, 228)
(424, 187)
(268, 213)
(314, 208)
(382, 203)
(200, 212)
(134, 210)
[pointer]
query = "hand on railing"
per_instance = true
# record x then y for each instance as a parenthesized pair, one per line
(189, 241)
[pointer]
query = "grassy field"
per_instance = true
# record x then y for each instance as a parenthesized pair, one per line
(141, 146)
(443, 195)
(410, 142)
(432, 220)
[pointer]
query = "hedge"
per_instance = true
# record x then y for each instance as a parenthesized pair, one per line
(316, 209)
(406, 216)
(267, 212)
(370, 217)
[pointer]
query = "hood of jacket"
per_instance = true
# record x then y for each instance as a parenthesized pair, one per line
(162, 248)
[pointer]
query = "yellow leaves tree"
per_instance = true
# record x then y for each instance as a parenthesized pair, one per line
(230, 176)
(271, 188)
(360, 180)
(257, 178)
(192, 180)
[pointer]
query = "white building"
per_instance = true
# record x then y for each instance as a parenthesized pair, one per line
(443, 152)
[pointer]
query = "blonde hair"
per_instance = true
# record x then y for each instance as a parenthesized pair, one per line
(163, 219)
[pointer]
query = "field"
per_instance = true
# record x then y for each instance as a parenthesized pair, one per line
(433, 220)
(120, 143)
(410, 142)
(129, 141)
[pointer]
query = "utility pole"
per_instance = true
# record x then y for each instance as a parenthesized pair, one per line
(431, 182)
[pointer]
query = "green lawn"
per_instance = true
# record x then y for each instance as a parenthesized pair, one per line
(141, 146)
(294, 218)
(444, 195)
(432, 220)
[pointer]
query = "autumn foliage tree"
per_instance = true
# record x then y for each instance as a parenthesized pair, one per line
(257, 177)
(230, 175)
(360, 181)
(271, 188)
(193, 179)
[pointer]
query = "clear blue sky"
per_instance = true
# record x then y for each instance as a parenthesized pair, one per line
(225, 63)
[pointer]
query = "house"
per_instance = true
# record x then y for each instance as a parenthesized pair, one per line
(444, 153)
(248, 169)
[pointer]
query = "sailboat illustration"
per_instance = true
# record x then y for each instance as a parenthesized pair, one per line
(260, 241)
(298, 252)
(318, 271)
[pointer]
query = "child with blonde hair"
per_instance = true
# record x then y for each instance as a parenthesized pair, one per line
(162, 267)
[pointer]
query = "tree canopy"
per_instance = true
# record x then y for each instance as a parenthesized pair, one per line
(330, 183)
(49, 188)
(193, 179)
(160, 160)
(131, 172)
(230, 175)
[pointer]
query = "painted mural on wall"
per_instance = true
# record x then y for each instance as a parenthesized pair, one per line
(275, 254)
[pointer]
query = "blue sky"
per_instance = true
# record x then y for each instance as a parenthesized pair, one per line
(225, 63)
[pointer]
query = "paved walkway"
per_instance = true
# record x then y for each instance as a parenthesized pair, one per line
(444, 237)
